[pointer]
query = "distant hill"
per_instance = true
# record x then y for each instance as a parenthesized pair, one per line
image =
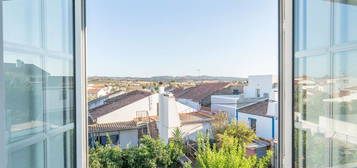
(171, 78)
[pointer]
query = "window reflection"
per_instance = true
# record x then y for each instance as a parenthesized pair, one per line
(38, 66)
(325, 84)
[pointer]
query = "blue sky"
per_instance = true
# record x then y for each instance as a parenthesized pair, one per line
(182, 37)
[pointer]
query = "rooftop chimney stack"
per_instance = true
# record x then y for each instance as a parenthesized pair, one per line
(168, 116)
(161, 88)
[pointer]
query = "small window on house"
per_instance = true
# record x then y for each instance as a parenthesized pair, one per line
(236, 92)
(253, 124)
(258, 92)
(157, 109)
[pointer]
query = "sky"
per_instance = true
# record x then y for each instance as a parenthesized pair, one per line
(144, 38)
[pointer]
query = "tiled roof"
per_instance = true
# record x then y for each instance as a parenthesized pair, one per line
(93, 91)
(259, 108)
(118, 102)
(201, 91)
(195, 117)
(178, 91)
(110, 127)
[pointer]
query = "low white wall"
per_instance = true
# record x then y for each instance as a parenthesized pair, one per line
(128, 138)
(224, 99)
(264, 127)
(190, 103)
(190, 131)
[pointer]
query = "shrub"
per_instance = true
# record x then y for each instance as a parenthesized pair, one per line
(151, 153)
(239, 131)
(230, 154)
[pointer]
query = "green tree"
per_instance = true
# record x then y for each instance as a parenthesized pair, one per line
(240, 131)
(230, 154)
(105, 156)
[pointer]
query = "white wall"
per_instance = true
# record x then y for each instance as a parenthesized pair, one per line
(128, 112)
(128, 138)
(264, 125)
(182, 108)
(224, 99)
(190, 103)
(262, 82)
(169, 118)
(190, 131)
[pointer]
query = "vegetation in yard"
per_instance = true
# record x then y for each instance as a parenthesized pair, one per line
(230, 154)
(151, 153)
(229, 151)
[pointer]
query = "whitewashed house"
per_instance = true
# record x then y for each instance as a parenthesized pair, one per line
(127, 117)
(257, 107)
(98, 90)
(190, 123)
(261, 86)
(200, 95)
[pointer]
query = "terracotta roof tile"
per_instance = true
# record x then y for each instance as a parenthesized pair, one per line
(93, 91)
(110, 127)
(260, 108)
(201, 91)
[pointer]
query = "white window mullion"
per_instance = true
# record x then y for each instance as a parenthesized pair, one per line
(286, 84)
(3, 134)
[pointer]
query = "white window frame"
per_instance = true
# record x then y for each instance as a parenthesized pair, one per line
(286, 83)
(80, 84)
(3, 154)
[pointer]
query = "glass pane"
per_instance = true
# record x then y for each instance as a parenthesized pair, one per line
(311, 149)
(344, 103)
(59, 25)
(312, 24)
(325, 93)
(312, 74)
(61, 150)
(24, 76)
(31, 156)
(345, 21)
(22, 22)
(59, 92)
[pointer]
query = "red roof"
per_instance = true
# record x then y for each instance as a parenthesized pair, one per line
(93, 91)
(98, 86)
(201, 91)
(260, 108)
(110, 127)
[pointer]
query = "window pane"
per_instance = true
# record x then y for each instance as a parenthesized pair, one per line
(312, 74)
(22, 22)
(31, 156)
(38, 66)
(312, 22)
(344, 103)
(345, 21)
(59, 25)
(325, 92)
(59, 92)
(24, 76)
(61, 150)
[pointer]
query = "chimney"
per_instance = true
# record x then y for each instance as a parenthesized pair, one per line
(169, 118)
(161, 88)
(19, 63)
